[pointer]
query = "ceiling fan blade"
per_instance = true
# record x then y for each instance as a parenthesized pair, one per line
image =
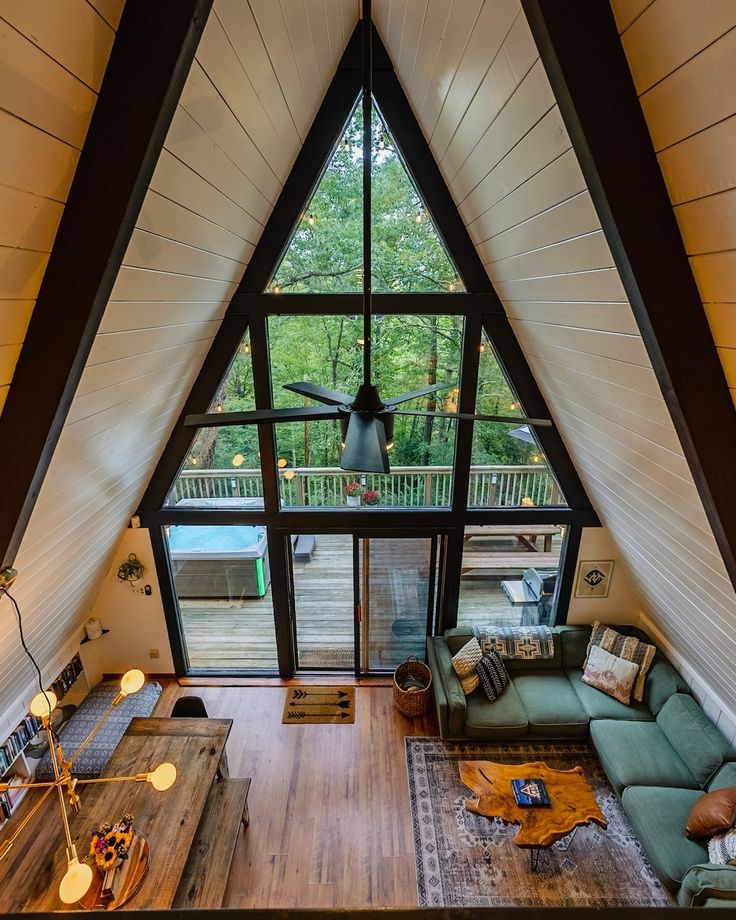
(321, 394)
(514, 420)
(365, 445)
(415, 394)
(221, 419)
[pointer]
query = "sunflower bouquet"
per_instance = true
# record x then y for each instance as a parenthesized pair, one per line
(111, 843)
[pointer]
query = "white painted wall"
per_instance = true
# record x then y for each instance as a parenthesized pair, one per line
(622, 604)
(135, 620)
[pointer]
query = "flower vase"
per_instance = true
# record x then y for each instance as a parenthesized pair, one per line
(353, 501)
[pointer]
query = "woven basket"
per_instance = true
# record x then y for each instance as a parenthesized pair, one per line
(412, 703)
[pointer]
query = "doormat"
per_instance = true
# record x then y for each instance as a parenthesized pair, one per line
(466, 860)
(319, 704)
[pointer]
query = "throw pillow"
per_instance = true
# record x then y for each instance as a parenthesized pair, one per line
(712, 814)
(627, 647)
(614, 676)
(494, 678)
(465, 663)
(722, 849)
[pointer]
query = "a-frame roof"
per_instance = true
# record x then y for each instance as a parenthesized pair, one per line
(473, 78)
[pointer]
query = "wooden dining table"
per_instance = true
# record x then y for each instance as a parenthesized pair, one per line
(31, 872)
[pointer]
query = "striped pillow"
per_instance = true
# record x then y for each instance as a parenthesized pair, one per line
(627, 647)
(465, 663)
(494, 678)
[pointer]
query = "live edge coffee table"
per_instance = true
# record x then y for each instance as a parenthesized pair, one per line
(573, 803)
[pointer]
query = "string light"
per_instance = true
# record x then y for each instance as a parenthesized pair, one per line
(281, 463)
(194, 460)
(288, 474)
(245, 348)
(218, 407)
(276, 289)
(418, 218)
(238, 460)
(311, 219)
(536, 458)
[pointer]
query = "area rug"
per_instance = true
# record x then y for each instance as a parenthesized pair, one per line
(305, 705)
(94, 758)
(466, 860)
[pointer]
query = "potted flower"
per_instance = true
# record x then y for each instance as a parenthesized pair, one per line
(352, 492)
(371, 497)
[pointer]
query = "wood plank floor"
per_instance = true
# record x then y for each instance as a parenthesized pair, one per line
(239, 633)
(329, 804)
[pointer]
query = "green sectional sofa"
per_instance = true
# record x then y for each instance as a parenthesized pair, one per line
(660, 755)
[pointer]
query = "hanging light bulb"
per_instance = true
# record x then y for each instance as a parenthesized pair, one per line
(42, 704)
(536, 458)
(276, 289)
(218, 407)
(311, 219)
(132, 681)
(77, 880)
(451, 286)
(238, 460)
(418, 218)
(194, 460)
(288, 474)
(346, 146)
(163, 777)
(281, 463)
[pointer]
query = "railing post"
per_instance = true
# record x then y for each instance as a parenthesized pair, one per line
(299, 484)
(428, 488)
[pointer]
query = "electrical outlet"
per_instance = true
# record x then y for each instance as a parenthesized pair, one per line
(153, 653)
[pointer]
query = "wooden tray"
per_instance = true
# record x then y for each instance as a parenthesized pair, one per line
(132, 872)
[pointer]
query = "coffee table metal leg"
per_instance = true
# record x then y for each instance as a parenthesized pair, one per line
(534, 857)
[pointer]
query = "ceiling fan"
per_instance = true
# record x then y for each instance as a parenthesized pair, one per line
(367, 421)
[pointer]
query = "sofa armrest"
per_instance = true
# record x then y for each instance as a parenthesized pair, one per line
(449, 696)
(707, 881)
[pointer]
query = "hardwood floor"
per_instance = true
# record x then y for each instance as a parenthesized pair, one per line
(329, 804)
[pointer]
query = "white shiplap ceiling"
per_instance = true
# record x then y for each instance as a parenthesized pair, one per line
(472, 75)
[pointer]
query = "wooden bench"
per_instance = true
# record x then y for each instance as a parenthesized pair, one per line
(500, 562)
(205, 875)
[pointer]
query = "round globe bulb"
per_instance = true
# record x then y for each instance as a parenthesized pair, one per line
(42, 704)
(163, 777)
(132, 681)
(289, 474)
(76, 882)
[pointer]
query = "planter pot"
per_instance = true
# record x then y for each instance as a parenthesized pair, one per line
(353, 501)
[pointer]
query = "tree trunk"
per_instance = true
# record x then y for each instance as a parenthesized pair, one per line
(431, 380)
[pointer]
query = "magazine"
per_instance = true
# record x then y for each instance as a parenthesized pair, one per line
(529, 792)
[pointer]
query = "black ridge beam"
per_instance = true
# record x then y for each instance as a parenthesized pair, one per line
(148, 64)
(327, 127)
(587, 68)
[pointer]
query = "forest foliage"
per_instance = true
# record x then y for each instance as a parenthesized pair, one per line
(410, 351)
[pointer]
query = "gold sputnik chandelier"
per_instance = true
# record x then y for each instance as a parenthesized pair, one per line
(79, 875)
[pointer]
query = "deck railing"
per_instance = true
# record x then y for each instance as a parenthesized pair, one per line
(405, 486)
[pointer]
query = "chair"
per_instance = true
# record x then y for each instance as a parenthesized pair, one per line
(192, 707)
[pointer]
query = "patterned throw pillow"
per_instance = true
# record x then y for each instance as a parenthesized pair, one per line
(614, 676)
(722, 848)
(627, 647)
(494, 678)
(465, 663)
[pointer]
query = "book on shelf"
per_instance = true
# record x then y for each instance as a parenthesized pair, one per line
(530, 792)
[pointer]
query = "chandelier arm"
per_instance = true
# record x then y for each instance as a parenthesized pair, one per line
(65, 818)
(7, 844)
(138, 778)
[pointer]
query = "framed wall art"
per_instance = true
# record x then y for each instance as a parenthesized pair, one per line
(593, 578)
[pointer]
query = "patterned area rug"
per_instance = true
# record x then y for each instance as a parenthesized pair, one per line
(319, 704)
(466, 860)
(93, 758)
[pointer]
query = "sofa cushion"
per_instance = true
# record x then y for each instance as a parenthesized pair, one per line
(658, 816)
(706, 885)
(713, 813)
(724, 778)
(610, 674)
(448, 693)
(627, 647)
(552, 706)
(506, 718)
(465, 662)
(691, 733)
(494, 678)
(574, 643)
(600, 706)
(662, 682)
(639, 754)
(457, 637)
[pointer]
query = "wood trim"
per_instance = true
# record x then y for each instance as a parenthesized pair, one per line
(459, 303)
(587, 68)
(149, 62)
(566, 573)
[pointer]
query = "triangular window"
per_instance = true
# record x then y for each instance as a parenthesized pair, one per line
(230, 448)
(508, 465)
(325, 254)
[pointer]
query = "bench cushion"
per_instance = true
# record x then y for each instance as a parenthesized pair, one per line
(658, 816)
(552, 706)
(724, 778)
(599, 705)
(638, 754)
(662, 682)
(574, 641)
(504, 718)
(695, 738)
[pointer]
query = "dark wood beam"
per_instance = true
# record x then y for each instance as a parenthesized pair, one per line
(585, 62)
(441, 303)
(148, 64)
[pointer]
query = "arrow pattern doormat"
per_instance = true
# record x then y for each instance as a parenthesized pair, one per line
(319, 704)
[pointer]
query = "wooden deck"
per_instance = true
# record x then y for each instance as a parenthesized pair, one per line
(224, 634)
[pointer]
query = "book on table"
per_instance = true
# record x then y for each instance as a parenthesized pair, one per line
(530, 792)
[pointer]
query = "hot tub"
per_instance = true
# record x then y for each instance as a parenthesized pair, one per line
(219, 560)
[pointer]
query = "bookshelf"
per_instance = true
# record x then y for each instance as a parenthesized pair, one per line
(15, 767)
